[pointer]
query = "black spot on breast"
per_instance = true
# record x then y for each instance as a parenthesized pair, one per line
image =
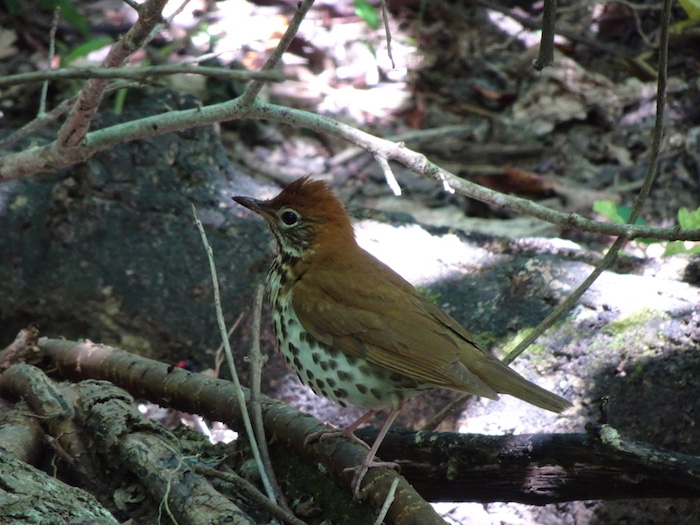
(364, 370)
(283, 328)
(293, 350)
(333, 364)
(324, 365)
(331, 351)
(362, 389)
(304, 337)
(342, 403)
(344, 376)
(316, 357)
(376, 393)
(321, 385)
(351, 359)
(310, 375)
(297, 363)
(340, 393)
(331, 382)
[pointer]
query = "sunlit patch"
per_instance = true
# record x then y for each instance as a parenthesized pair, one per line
(418, 256)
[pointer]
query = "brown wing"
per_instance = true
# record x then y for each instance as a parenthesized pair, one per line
(380, 317)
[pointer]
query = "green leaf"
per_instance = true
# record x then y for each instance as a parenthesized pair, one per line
(367, 12)
(617, 213)
(83, 49)
(673, 248)
(689, 219)
(691, 8)
(609, 209)
(119, 98)
(626, 211)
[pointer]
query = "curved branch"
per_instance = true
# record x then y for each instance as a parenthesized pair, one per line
(51, 157)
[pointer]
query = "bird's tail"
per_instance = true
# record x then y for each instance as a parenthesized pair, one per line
(507, 381)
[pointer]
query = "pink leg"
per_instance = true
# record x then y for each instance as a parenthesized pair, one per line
(348, 432)
(369, 462)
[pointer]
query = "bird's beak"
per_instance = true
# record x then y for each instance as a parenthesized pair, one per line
(252, 204)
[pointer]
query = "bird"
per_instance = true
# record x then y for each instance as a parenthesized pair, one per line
(355, 331)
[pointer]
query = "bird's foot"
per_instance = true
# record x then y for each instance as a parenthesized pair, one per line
(325, 434)
(362, 469)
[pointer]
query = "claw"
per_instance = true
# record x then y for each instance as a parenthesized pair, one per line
(326, 434)
(362, 469)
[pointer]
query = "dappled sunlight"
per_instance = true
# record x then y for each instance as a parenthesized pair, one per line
(417, 255)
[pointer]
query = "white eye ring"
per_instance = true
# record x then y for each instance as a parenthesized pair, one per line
(289, 217)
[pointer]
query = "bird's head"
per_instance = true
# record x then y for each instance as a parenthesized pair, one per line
(305, 216)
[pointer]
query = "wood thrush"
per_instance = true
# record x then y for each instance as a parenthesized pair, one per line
(355, 331)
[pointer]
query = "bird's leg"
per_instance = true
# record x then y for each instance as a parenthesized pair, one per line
(348, 432)
(369, 462)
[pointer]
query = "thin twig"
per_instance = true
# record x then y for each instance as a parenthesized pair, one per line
(254, 88)
(32, 127)
(50, 157)
(177, 11)
(140, 73)
(219, 357)
(232, 365)
(250, 491)
(639, 201)
(388, 174)
(387, 502)
(546, 55)
(256, 361)
(37, 123)
(387, 30)
(415, 137)
(49, 66)
(609, 257)
(78, 122)
(529, 23)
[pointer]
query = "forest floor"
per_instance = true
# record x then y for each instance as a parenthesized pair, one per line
(458, 86)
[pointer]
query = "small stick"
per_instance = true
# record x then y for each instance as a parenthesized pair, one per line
(52, 53)
(229, 357)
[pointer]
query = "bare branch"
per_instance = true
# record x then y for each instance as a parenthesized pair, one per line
(52, 52)
(549, 17)
(254, 89)
(76, 126)
(50, 158)
(140, 73)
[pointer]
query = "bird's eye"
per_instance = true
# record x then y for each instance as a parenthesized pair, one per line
(290, 217)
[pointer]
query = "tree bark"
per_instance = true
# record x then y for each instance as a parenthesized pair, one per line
(536, 468)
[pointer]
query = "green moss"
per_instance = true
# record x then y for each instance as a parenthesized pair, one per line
(538, 353)
(642, 331)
